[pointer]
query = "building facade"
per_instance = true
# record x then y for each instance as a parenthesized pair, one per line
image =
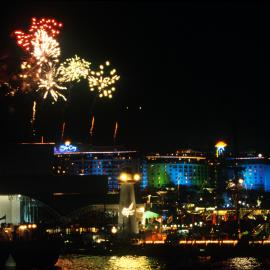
(87, 160)
(185, 167)
(255, 171)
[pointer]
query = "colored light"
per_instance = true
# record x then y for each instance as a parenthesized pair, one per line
(220, 144)
(220, 147)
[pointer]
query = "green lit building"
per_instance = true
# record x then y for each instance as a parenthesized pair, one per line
(185, 167)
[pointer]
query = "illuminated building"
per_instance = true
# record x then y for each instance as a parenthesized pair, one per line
(17, 209)
(185, 167)
(88, 160)
(255, 170)
(10, 209)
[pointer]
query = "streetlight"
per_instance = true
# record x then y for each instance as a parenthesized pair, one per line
(241, 181)
(114, 230)
(129, 178)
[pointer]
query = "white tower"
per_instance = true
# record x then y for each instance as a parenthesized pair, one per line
(127, 204)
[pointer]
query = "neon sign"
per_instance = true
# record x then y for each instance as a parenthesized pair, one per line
(127, 211)
(67, 148)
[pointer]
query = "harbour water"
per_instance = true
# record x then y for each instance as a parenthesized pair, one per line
(83, 262)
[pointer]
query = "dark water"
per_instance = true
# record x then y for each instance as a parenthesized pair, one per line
(82, 262)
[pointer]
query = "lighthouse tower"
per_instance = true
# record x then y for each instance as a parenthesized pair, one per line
(127, 205)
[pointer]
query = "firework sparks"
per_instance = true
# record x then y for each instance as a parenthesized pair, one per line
(23, 40)
(49, 84)
(30, 74)
(73, 69)
(103, 82)
(51, 26)
(45, 48)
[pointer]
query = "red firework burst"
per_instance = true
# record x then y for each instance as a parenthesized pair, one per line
(51, 26)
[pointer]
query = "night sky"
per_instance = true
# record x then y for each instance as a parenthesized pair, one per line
(200, 72)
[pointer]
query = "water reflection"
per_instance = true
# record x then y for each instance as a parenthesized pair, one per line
(245, 263)
(133, 263)
(82, 262)
(74, 262)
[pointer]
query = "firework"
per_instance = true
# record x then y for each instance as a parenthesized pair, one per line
(33, 112)
(63, 131)
(30, 74)
(92, 126)
(115, 131)
(50, 26)
(48, 83)
(73, 69)
(45, 48)
(103, 81)
(23, 40)
(45, 51)
(33, 117)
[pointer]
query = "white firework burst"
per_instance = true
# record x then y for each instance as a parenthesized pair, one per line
(45, 48)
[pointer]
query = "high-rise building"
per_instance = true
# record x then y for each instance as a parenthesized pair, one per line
(185, 167)
(88, 160)
(255, 171)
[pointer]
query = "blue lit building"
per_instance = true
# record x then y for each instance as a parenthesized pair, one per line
(88, 160)
(185, 167)
(255, 171)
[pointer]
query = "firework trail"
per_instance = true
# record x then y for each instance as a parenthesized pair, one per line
(63, 131)
(115, 132)
(92, 127)
(33, 118)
